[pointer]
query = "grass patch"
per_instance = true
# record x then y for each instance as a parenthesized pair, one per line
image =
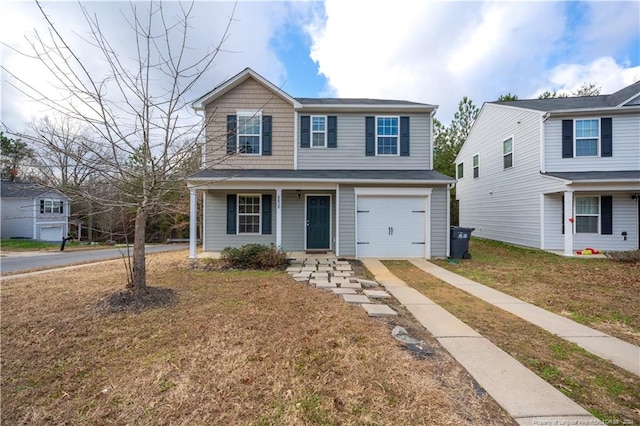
(236, 347)
(601, 293)
(26, 245)
(595, 384)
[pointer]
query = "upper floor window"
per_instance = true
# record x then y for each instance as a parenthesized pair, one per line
(387, 135)
(318, 131)
(460, 171)
(587, 214)
(249, 214)
(507, 153)
(51, 206)
(249, 133)
(476, 165)
(587, 137)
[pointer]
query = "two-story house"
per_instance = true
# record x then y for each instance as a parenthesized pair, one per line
(33, 211)
(349, 176)
(560, 174)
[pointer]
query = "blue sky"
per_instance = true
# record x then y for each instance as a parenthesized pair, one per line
(432, 52)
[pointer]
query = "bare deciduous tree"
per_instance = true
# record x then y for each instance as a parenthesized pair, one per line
(136, 110)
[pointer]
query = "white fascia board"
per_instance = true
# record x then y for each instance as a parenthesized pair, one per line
(589, 111)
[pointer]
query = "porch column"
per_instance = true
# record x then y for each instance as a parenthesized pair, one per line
(279, 217)
(568, 224)
(193, 223)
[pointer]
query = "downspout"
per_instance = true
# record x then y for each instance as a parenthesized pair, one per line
(543, 165)
(450, 186)
(295, 140)
(431, 138)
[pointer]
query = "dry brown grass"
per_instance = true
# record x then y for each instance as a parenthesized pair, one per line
(600, 293)
(237, 348)
(608, 392)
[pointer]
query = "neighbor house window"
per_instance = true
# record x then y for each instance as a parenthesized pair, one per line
(476, 165)
(587, 137)
(51, 206)
(587, 215)
(249, 214)
(387, 135)
(507, 153)
(460, 171)
(318, 131)
(249, 131)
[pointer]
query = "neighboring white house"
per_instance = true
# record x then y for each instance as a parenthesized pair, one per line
(556, 174)
(348, 176)
(33, 211)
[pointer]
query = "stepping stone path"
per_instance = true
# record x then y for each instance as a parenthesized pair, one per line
(337, 276)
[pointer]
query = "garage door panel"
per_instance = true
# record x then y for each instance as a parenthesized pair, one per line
(391, 226)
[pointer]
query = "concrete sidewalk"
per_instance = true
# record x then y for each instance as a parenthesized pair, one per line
(623, 354)
(525, 396)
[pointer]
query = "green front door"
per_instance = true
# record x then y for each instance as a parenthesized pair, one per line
(318, 222)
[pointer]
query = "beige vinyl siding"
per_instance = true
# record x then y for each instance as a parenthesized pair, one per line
(216, 237)
(250, 95)
(347, 214)
(501, 204)
(626, 147)
(350, 153)
(439, 232)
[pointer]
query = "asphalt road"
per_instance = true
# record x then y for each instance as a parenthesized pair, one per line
(19, 261)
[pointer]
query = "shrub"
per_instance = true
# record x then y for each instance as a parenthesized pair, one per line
(255, 256)
(632, 256)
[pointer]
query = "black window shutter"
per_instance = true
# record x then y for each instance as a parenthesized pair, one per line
(606, 215)
(266, 135)
(232, 124)
(606, 137)
(231, 213)
(305, 131)
(61, 206)
(562, 215)
(332, 131)
(266, 213)
(404, 136)
(41, 206)
(567, 138)
(370, 136)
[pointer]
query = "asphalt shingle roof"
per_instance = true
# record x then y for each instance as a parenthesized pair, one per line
(22, 189)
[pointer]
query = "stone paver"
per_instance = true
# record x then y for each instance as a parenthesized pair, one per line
(356, 298)
(343, 274)
(325, 284)
(344, 291)
(368, 283)
(377, 294)
(378, 310)
(350, 284)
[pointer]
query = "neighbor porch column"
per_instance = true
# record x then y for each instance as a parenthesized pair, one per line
(279, 217)
(568, 224)
(193, 223)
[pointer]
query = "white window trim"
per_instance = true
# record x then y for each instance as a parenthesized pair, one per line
(248, 113)
(575, 137)
(248, 214)
(458, 166)
(54, 202)
(474, 167)
(513, 157)
(326, 123)
(575, 214)
(397, 154)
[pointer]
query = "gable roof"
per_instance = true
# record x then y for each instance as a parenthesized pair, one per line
(24, 190)
(617, 99)
(298, 103)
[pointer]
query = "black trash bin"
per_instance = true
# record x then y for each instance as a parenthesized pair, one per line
(460, 242)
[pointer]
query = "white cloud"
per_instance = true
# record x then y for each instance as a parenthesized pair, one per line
(438, 52)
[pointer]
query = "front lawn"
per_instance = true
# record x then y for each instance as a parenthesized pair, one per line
(19, 244)
(237, 347)
(600, 293)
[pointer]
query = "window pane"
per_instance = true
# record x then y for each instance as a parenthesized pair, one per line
(587, 205)
(587, 128)
(387, 126)
(318, 124)
(587, 224)
(507, 146)
(586, 147)
(387, 146)
(508, 161)
(249, 144)
(460, 170)
(249, 125)
(318, 139)
(475, 161)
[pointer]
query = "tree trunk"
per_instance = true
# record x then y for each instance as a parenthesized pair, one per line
(139, 275)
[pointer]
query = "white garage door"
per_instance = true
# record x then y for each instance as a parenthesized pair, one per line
(391, 227)
(51, 233)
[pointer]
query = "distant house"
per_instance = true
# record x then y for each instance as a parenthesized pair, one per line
(558, 174)
(29, 210)
(349, 176)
